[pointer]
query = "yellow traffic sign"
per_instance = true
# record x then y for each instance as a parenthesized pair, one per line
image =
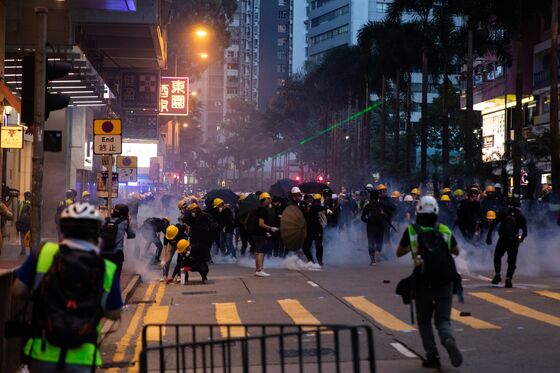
(127, 161)
(107, 127)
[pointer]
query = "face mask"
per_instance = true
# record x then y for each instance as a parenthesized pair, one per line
(194, 214)
(220, 209)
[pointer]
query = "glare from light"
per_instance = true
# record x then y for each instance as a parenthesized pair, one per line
(194, 93)
(347, 137)
(185, 125)
(204, 55)
(201, 33)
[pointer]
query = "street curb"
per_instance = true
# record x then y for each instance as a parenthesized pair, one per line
(125, 295)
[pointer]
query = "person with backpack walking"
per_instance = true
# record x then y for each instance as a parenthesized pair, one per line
(72, 288)
(508, 242)
(23, 222)
(434, 277)
(374, 217)
(113, 233)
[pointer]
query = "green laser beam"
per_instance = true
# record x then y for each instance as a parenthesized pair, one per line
(342, 122)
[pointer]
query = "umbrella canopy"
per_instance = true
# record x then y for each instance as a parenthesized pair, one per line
(226, 194)
(282, 188)
(314, 187)
(250, 203)
(293, 228)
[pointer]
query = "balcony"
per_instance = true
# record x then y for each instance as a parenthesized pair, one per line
(541, 79)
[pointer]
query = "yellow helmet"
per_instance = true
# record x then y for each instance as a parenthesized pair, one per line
(446, 190)
(317, 197)
(415, 191)
(490, 189)
(218, 202)
(181, 204)
(171, 232)
(381, 187)
(458, 192)
(396, 194)
(192, 206)
(183, 245)
(445, 198)
(85, 193)
(264, 195)
(491, 215)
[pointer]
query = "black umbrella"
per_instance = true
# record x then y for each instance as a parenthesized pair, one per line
(314, 187)
(226, 194)
(250, 203)
(282, 188)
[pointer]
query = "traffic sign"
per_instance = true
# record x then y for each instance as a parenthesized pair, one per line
(107, 127)
(127, 162)
(102, 184)
(128, 174)
(107, 144)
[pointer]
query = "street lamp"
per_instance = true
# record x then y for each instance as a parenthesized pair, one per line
(185, 125)
(201, 33)
(203, 55)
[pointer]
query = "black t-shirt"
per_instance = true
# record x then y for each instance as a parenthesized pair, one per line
(262, 213)
(405, 240)
(182, 235)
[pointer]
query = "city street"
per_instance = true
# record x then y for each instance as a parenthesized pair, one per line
(506, 331)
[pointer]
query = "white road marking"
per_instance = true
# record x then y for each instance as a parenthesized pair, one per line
(483, 278)
(313, 284)
(403, 350)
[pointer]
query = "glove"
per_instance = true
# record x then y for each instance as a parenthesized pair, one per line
(329, 212)
(489, 241)
(520, 238)
(274, 229)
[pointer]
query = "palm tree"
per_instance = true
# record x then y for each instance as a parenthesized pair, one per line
(421, 10)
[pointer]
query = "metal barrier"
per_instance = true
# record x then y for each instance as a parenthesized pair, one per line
(252, 348)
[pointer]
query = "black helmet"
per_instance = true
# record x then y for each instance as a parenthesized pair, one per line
(27, 195)
(71, 193)
(120, 211)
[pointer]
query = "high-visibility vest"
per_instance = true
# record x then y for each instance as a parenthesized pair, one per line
(35, 348)
(413, 235)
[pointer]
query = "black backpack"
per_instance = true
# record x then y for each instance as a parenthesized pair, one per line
(438, 266)
(68, 301)
(108, 234)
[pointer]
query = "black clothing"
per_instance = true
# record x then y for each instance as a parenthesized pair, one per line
(511, 247)
(509, 239)
(262, 213)
(447, 214)
(225, 219)
(469, 216)
(202, 228)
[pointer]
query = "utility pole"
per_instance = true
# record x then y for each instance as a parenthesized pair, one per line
(38, 124)
(109, 184)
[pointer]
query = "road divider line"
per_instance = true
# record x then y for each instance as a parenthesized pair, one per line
(298, 313)
(134, 323)
(226, 313)
(548, 294)
(378, 314)
(403, 350)
(473, 322)
(313, 284)
(518, 308)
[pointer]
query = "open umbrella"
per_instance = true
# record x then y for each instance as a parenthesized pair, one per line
(293, 228)
(281, 188)
(226, 194)
(314, 187)
(250, 203)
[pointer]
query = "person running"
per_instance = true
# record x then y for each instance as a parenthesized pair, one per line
(62, 279)
(374, 217)
(262, 233)
(431, 246)
(113, 233)
(508, 242)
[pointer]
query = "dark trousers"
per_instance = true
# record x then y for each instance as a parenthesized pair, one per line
(246, 240)
(375, 242)
(318, 239)
(195, 266)
(509, 246)
(116, 257)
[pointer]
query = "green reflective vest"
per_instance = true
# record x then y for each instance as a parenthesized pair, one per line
(413, 235)
(83, 355)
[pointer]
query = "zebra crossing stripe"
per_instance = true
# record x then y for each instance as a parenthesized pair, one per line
(548, 294)
(518, 308)
(226, 313)
(473, 322)
(298, 313)
(378, 314)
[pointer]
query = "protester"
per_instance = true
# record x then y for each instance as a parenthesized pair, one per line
(262, 233)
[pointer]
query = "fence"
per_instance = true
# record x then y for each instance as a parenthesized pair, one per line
(257, 348)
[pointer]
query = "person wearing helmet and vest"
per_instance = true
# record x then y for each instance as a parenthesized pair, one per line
(434, 279)
(263, 233)
(90, 285)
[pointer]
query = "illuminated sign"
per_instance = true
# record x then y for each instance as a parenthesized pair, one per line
(142, 151)
(11, 137)
(493, 136)
(174, 96)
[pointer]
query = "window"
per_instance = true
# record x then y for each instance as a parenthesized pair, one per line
(281, 68)
(282, 28)
(281, 55)
(381, 7)
(330, 16)
(282, 2)
(282, 14)
(319, 3)
(329, 34)
(282, 41)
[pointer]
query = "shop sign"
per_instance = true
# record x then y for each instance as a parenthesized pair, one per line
(11, 137)
(174, 96)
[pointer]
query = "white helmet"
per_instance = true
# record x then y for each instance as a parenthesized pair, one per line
(498, 186)
(334, 196)
(408, 198)
(81, 211)
(369, 187)
(427, 205)
(295, 190)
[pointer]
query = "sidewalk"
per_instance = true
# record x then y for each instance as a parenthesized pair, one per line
(10, 258)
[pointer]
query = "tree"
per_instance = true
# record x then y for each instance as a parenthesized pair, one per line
(554, 130)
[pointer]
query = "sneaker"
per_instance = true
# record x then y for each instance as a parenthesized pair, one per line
(432, 362)
(497, 279)
(261, 273)
(378, 257)
(163, 279)
(454, 353)
(509, 284)
(177, 279)
(372, 263)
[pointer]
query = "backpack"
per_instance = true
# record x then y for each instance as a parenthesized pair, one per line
(438, 266)
(68, 301)
(376, 214)
(108, 234)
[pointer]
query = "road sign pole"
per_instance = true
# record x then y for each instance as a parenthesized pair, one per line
(38, 125)
(109, 184)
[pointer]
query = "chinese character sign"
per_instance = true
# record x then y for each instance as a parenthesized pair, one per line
(174, 96)
(139, 90)
(12, 137)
